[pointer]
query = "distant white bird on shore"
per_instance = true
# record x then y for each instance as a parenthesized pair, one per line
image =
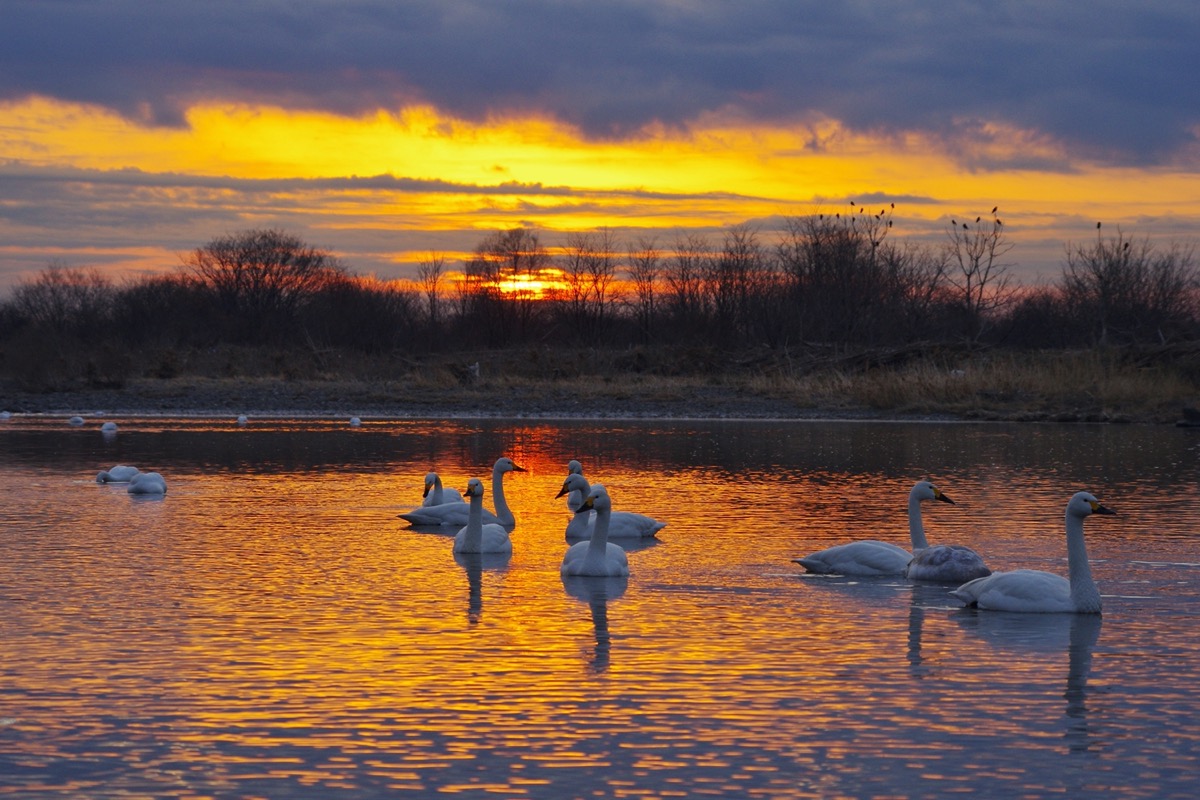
(355, 422)
(76, 421)
(1038, 592)
(242, 420)
(108, 427)
(118, 474)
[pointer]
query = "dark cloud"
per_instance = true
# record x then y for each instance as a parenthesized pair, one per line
(1110, 79)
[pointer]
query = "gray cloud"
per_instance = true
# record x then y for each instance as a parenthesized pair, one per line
(1110, 79)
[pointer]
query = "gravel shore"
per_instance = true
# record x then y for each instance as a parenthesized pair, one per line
(201, 397)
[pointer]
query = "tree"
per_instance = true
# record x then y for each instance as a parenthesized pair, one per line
(979, 278)
(65, 298)
(429, 275)
(501, 281)
(1129, 291)
(644, 273)
(260, 277)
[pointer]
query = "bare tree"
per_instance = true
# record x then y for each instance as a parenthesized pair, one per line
(684, 275)
(429, 275)
(645, 272)
(978, 276)
(1128, 289)
(260, 277)
(505, 272)
(62, 298)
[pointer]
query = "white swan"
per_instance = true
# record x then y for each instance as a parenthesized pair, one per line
(118, 474)
(870, 557)
(622, 524)
(435, 494)
(147, 483)
(75, 420)
(109, 427)
(457, 513)
(242, 420)
(477, 537)
(574, 497)
(597, 556)
(1035, 591)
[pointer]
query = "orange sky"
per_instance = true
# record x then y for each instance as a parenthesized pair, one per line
(385, 190)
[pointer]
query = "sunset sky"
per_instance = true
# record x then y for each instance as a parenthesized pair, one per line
(132, 131)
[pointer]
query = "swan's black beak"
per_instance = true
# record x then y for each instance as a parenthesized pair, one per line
(562, 491)
(1099, 509)
(425, 493)
(940, 495)
(518, 469)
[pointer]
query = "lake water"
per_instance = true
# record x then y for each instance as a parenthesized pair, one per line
(271, 629)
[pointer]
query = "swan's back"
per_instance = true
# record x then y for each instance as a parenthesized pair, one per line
(946, 563)
(1022, 590)
(865, 558)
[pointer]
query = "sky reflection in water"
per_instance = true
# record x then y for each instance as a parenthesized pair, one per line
(271, 628)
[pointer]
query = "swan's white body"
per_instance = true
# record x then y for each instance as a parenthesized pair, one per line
(621, 525)
(477, 537)
(243, 420)
(118, 474)
(457, 514)
(108, 427)
(946, 563)
(1035, 591)
(76, 421)
(597, 556)
(871, 557)
(435, 494)
(147, 483)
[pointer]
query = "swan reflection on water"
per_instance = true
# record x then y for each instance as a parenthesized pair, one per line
(1048, 634)
(474, 564)
(597, 592)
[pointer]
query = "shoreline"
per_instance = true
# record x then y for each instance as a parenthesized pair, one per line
(271, 398)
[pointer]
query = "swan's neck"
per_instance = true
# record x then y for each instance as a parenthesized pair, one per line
(598, 546)
(437, 493)
(1084, 594)
(475, 524)
(916, 530)
(502, 511)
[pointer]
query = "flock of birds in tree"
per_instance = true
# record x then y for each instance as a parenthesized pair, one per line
(594, 523)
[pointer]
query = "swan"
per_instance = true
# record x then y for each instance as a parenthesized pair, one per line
(622, 524)
(355, 422)
(870, 557)
(1035, 591)
(435, 494)
(597, 556)
(75, 420)
(147, 483)
(574, 497)
(457, 514)
(118, 474)
(477, 537)
(108, 427)
(242, 420)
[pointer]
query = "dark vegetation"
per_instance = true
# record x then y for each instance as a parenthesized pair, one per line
(835, 293)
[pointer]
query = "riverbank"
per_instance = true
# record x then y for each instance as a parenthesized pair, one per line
(886, 395)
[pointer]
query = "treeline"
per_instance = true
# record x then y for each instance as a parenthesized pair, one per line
(828, 279)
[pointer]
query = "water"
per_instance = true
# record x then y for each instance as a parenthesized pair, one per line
(271, 629)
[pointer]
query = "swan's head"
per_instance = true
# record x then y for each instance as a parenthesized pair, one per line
(924, 490)
(474, 488)
(431, 480)
(1085, 504)
(505, 464)
(597, 499)
(574, 467)
(574, 482)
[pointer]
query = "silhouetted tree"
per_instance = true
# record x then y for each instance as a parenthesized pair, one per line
(260, 277)
(979, 278)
